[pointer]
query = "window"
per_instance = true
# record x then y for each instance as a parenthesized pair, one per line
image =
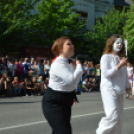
(84, 16)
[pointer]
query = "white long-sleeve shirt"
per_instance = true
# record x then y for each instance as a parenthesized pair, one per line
(111, 77)
(64, 76)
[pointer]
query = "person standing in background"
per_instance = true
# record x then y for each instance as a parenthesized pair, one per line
(84, 64)
(13, 67)
(88, 71)
(19, 71)
(97, 74)
(41, 69)
(130, 75)
(92, 70)
(47, 68)
(26, 66)
(9, 68)
(32, 61)
(35, 69)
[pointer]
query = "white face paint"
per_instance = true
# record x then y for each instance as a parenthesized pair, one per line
(117, 45)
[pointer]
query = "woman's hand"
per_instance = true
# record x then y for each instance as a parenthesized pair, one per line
(73, 62)
(78, 62)
(123, 62)
(74, 103)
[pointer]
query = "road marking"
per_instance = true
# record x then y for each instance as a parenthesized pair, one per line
(23, 125)
(40, 122)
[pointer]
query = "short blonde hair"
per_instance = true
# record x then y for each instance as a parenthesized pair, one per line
(58, 44)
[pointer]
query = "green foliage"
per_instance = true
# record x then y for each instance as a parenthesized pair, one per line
(129, 30)
(57, 18)
(14, 18)
(112, 23)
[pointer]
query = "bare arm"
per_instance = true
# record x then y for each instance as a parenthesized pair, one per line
(27, 87)
(5, 84)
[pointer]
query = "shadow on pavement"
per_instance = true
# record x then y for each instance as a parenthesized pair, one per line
(18, 102)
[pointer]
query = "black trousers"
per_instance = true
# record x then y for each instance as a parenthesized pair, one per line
(3, 91)
(57, 110)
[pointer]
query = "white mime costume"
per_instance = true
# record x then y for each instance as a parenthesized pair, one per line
(113, 87)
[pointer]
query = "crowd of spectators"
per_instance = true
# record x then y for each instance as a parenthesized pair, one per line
(26, 77)
(23, 77)
(91, 77)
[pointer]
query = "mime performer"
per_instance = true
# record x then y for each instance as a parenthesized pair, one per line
(114, 82)
(61, 95)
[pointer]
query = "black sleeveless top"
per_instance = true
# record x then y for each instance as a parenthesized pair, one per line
(2, 87)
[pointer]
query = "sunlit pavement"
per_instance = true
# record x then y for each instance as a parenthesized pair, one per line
(23, 115)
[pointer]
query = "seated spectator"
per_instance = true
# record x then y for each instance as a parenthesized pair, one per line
(10, 91)
(92, 84)
(25, 84)
(84, 75)
(92, 80)
(17, 86)
(32, 87)
(3, 85)
(40, 80)
(41, 86)
(9, 83)
(46, 82)
(86, 85)
(34, 80)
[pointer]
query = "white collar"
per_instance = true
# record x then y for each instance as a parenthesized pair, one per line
(59, 58)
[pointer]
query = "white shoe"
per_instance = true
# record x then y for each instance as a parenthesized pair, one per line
(90, 89)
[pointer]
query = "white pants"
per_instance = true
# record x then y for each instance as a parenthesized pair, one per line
(113, 105)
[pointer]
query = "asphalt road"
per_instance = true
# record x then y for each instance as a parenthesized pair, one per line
(23, 115)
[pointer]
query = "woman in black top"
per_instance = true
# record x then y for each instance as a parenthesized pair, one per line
(31, 88)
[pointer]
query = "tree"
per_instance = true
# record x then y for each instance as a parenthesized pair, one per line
(129, 30)
(112, 23)
(14, 21)
(56, 18)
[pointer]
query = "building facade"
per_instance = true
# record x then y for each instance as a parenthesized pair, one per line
(89, 9)
(119, 4)
(93, 8)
